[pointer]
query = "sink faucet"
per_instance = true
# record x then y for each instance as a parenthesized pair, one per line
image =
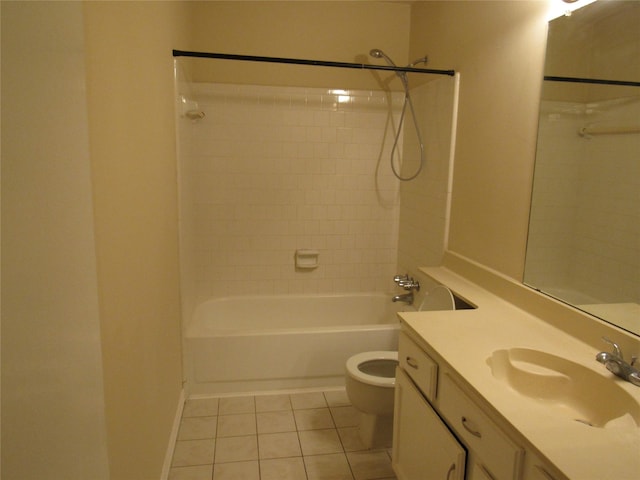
(408, 283)
(617, 365)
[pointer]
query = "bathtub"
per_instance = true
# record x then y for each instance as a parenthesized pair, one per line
(262, 343)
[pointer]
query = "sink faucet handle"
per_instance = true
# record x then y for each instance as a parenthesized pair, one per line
(616, 348)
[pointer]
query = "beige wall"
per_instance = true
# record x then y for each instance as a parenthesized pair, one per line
(335, 31)
(132, 146)
(498, 47)
(53, 422)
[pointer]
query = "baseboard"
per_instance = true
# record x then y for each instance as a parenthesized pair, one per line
(173, 437)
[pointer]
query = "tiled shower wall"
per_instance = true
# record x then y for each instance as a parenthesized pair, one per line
(424, 201)
(586, 214)
(270, 170)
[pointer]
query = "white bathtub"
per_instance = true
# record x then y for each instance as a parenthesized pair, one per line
(260, 343)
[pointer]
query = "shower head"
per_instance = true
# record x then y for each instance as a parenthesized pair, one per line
(377, 53)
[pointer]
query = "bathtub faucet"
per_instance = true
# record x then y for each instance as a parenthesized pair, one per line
(405, 298)
(408, 283)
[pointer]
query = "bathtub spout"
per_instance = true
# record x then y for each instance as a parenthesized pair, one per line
(405, 298)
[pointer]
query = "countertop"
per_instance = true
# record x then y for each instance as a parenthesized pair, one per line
(465, 339)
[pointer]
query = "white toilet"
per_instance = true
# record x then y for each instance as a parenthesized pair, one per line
(371, 378)
(370, 381)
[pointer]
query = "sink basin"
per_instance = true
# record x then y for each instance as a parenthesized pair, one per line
(579, 393)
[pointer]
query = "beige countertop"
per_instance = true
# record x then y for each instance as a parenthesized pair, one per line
(465, 339)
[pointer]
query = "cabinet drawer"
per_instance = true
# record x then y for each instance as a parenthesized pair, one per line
(422, 370)
(501, 458)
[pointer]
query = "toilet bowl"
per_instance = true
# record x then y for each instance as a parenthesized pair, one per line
(370, 380)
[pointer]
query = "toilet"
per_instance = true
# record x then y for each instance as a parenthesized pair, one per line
(370, 379)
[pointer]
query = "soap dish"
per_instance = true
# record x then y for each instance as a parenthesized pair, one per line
(307, 259)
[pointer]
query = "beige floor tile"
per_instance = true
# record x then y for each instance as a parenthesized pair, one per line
(197, 428)
(264, 438)
(236, 425)
(236, 471)
(308, 400)
(197, 472)
(272, 403)
(318, 442)
(313, 419)
(193, 452)
(200, 407)
(279, 445)
(369, 465)
(337, 398)
(236, 449)
(351, 439)
(234, 405)
(283, 469)
(274, 422)
(345, 416)
(328, 467)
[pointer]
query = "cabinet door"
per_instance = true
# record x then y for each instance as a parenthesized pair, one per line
(423, 447)
(478, 472)
(537, 469)
(498, 455)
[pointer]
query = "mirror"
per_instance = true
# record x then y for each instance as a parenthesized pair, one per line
(584, 232)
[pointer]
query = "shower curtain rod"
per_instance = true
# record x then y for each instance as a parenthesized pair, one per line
(623, 83)
(299, 61)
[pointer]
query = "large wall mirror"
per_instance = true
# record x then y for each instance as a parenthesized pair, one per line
(584, 233)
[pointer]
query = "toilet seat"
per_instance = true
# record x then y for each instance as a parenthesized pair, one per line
(355, 361)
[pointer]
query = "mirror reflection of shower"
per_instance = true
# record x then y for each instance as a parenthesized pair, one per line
(377, 53)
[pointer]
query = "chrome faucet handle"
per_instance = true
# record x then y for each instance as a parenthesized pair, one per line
(401, 278)
(410, 284)
(616, 349)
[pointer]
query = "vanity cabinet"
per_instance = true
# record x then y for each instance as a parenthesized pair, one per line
(537, 469)
(438, 427)
(423, 446)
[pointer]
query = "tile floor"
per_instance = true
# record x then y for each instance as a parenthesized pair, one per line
(302, 436)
